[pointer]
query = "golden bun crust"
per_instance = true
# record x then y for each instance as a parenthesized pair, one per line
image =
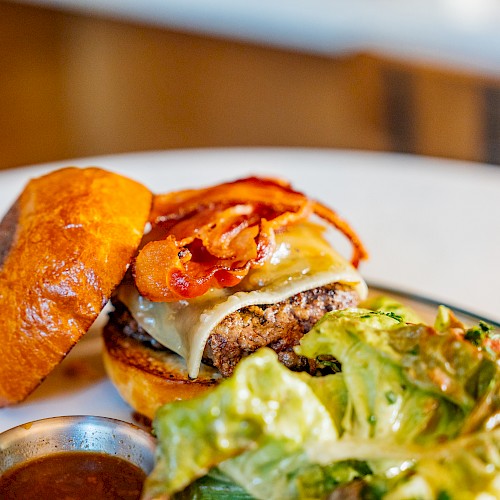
(64, 246)
(146, 378)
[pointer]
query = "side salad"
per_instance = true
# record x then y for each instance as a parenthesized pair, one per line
(405, 411)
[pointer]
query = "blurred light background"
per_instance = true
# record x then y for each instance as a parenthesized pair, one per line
(80, 78)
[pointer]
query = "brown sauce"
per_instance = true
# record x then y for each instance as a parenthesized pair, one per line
(73, 476)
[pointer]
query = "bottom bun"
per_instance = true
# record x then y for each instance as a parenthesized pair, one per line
(147, 378)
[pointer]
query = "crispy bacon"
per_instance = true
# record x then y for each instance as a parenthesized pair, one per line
(212, 237)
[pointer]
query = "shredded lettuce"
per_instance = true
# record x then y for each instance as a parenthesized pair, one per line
(414, 412)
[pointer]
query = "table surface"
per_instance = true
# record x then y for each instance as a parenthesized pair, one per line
(457, 33)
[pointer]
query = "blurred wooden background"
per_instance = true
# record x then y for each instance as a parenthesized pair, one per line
(72, 86)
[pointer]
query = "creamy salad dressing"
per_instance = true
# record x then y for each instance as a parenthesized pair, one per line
(303, 259)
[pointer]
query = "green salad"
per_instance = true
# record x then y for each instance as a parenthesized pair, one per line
(405, 411)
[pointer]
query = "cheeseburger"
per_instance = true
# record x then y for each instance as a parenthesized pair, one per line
(218, 273)
(221, 272)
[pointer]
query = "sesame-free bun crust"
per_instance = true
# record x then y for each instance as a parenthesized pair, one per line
(147, 378)
(64, 246)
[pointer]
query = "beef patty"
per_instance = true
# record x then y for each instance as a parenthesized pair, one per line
(279, 326)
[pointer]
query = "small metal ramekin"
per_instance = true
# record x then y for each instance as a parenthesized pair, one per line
(77, 433)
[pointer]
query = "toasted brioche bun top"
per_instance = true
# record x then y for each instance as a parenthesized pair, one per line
(64, 246)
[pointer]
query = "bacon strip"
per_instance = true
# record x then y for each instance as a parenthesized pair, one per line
(212, 237)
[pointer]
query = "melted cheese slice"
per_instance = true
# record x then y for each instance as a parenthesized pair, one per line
(303, 260)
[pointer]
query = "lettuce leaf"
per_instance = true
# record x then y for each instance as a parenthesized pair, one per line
(465, 468)
(410, 403)
(274, 471)
(407, 380)
(439, 388)
(390, 306)
(262, 400)
(214, 486)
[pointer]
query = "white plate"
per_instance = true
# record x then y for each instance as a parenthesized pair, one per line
(432, 227)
